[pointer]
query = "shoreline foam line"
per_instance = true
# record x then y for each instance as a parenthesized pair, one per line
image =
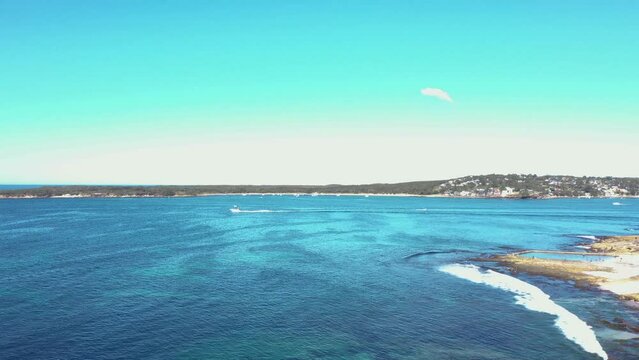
(533, 298)
(587, 237)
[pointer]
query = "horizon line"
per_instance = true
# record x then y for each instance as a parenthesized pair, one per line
(325, 184)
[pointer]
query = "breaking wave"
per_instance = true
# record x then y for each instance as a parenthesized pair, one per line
(533, 298)
(434, 252)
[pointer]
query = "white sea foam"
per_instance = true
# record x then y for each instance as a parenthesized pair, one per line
(587, 237)
(237, 210)
(533, 298)
(618, 204)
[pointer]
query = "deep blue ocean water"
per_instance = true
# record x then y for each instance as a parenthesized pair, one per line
(319, 277)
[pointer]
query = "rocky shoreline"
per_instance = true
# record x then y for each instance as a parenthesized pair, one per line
(609, 263)
(9, 195)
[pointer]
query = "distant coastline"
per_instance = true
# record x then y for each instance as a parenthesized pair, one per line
(512, 186)
(94, 196)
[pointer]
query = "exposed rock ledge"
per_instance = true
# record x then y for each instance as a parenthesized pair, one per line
(618, 272)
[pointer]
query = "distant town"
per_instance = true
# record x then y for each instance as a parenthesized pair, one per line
(518, 186)
(533, 186)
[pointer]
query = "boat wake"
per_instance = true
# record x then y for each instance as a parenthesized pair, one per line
(237, 210)
(533, 298)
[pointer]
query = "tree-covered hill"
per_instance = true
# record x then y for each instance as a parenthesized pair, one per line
(510, 186)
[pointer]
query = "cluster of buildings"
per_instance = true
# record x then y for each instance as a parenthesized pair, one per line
(518, 186)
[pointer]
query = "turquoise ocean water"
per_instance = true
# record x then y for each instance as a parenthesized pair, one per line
(321, 277)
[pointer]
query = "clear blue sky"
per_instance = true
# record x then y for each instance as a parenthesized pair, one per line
(81, 81)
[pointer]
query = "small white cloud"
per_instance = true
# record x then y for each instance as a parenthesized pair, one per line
(438, 93)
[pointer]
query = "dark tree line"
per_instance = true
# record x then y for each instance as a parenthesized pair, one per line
(480, 185)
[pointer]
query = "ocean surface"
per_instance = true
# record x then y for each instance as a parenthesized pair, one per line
(286, 277)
